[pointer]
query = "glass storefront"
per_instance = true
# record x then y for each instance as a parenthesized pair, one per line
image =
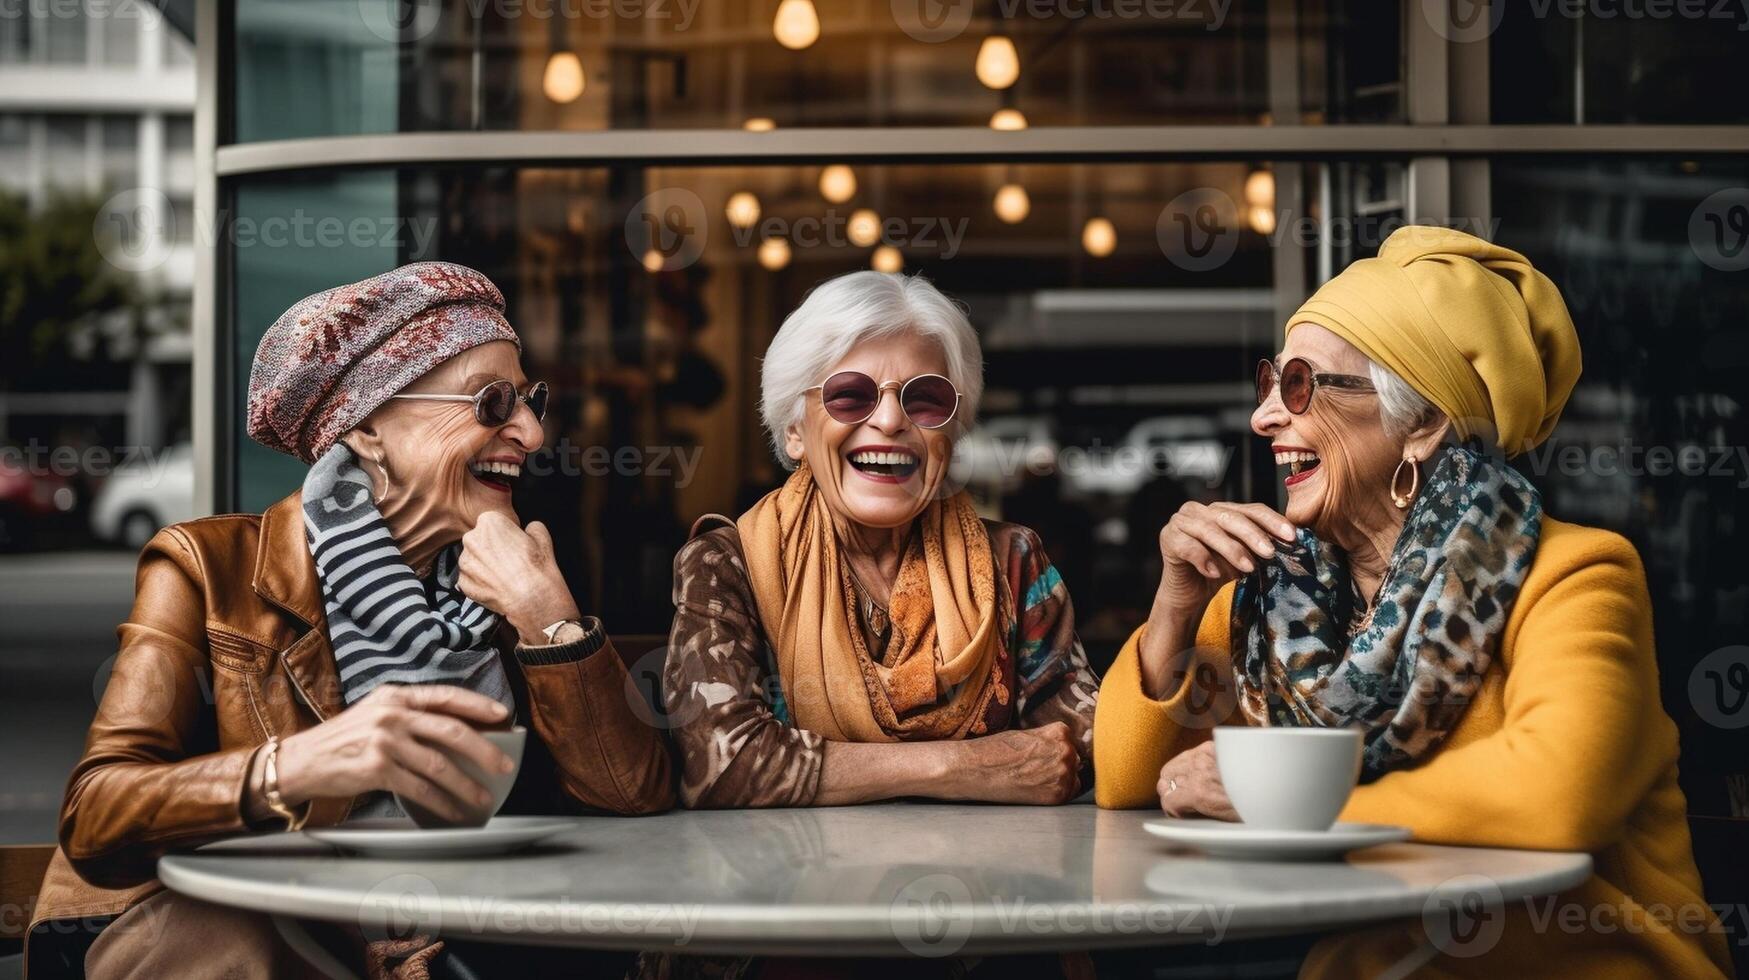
(319, 68)
(1121, 302)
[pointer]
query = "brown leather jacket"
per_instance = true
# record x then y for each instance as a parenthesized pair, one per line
(227, 645)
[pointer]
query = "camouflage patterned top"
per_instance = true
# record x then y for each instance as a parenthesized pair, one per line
(735, 740)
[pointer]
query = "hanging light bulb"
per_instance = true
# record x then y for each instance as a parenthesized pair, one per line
(1099, 237)
(773, 254)
(1261, 219)
(1008, 120)
(998, 62)
(1260, 189)
(653, 261)
(886, 259)
(1012, 203)
(742, 209)
(564, 80)
(759, 124)
(838, 183)
(864, 228)
(797, 24)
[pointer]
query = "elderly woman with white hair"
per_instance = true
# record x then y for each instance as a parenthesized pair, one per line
(860, 633)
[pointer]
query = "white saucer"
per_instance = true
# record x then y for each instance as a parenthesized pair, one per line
(1218, 838)
(397, 837)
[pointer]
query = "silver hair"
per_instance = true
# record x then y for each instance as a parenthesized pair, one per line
(849, 310)
(1402, 409)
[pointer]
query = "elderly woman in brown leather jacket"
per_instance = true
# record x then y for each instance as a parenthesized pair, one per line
(314, 663)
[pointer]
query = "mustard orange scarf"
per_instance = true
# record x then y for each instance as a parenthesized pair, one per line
(940, 671)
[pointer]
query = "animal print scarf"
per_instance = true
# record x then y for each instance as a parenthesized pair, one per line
(1406, 672)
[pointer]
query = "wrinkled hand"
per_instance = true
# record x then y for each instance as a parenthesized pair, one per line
(1027, 765)
(400, 739)
(1190, 785)
(512, 571)
(1205, 546)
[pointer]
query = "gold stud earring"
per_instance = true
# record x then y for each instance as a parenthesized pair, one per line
(1402, 501)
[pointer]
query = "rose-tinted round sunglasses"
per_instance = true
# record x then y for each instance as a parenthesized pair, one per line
(495, 404)
(1298, 381)
(930, 401)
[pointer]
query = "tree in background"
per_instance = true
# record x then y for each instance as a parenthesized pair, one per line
(68, 318)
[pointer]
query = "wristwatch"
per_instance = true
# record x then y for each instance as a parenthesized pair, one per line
(587, 631)
(566, 641)
(552, 632)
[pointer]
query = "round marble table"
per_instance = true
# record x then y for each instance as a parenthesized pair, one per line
(891, 879)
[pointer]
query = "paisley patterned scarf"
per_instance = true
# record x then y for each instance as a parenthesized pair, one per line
(1406, 672)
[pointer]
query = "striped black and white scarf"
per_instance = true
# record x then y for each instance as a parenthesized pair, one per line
(386, 625)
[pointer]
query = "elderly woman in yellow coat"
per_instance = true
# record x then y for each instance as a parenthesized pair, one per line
(1499, 661)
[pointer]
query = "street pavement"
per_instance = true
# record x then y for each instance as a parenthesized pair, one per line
(58, 614)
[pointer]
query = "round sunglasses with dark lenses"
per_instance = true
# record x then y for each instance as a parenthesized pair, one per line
(495, 404)
(1298, 381)
(930, 401)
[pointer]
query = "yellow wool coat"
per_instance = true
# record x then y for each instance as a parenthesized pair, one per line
(1564, 748)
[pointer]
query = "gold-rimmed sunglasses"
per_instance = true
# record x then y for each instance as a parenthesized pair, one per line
(1298, 381)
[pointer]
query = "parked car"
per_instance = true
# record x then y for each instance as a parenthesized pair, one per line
(31, 502)
(142, 496)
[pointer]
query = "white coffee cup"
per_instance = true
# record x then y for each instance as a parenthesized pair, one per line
(1288, 778)
(498, 784)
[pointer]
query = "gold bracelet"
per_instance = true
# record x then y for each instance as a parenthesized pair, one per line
(270, 789)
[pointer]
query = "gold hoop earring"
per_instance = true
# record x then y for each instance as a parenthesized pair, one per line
(1402, 501)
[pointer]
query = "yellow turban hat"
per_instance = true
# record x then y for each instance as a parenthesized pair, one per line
(1471, 326)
